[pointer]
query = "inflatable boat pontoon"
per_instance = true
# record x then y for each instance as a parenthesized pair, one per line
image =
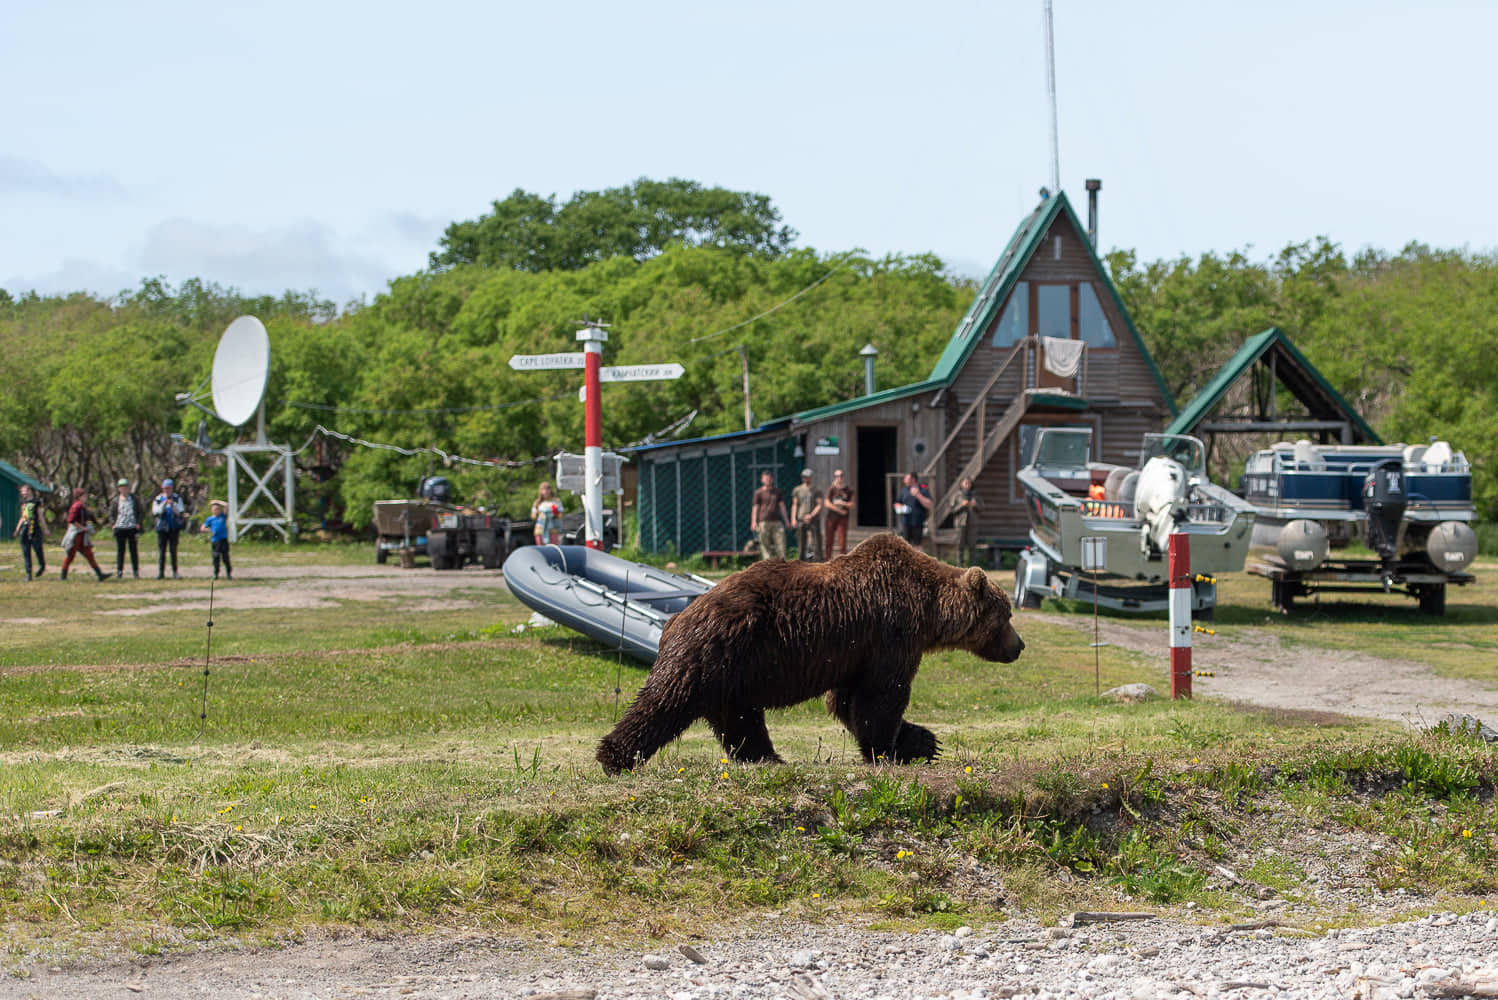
(620, 603)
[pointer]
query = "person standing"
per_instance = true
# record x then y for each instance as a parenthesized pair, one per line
(806, 515)
(964, 512)
(839, 507)
(913, 505)
(767, 518)
(31, 529)
(170, 515)
(546, 516)
(216, 527)
(76, 540)
(126, 514)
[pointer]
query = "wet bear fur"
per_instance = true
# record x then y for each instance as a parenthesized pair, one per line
(780, 632)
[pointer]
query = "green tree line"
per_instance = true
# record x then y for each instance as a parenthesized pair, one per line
(701, 276)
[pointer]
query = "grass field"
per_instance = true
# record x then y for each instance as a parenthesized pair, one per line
(395, 752)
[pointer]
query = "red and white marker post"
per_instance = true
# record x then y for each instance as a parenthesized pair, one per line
(1180, 616)
(594, 374)
(592, 338)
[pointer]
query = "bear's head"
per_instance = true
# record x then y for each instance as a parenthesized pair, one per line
(986, 620)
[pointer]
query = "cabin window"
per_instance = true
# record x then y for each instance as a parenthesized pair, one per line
(1014, 321)
(1069, 310)
(1053, 311)
(1094, 327)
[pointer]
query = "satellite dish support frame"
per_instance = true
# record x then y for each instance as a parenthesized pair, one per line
(242, 513)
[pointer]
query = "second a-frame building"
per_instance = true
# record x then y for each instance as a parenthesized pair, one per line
(1046, 342)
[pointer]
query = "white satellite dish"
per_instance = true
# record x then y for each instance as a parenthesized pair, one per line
(240, 367)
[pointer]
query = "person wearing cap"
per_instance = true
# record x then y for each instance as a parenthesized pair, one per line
(839, 507)
(806, 515)
(767, 518)
(216, 527)
(913, 506)
(77, 538)
(964, 511)
(170, 515)
(31, 529)
(127, 514)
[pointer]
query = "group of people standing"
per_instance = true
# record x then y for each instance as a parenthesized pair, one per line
(809, 507)
(769, 518)
(126, 516)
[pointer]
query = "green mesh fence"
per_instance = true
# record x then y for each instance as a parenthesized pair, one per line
(697, 499)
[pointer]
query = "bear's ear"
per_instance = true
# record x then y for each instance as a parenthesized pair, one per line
(975, 580)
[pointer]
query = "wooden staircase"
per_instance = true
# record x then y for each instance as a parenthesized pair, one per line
(991, 441)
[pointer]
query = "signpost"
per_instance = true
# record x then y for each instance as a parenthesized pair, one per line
(593, 336)
(545, 362)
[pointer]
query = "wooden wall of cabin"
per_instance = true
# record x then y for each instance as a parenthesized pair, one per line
(1124, 402)
(917, 428)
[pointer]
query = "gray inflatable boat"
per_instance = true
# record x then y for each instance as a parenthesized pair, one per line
(622, 604)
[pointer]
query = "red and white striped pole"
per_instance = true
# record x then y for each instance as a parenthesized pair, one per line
(592, 338)
(1180, 616)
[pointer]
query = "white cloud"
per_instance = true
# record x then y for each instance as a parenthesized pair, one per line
(301, 256)
(32, 177)
(74, 274)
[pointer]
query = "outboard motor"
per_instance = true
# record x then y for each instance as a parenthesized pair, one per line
(437, 489)
(1384, 500)
(1159, 503)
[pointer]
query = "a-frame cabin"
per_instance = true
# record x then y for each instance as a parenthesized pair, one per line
(1046, 342)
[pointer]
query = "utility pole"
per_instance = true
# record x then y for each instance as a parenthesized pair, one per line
(748, 413)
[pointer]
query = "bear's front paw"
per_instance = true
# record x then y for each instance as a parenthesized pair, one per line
(615, 758)
(915, 743)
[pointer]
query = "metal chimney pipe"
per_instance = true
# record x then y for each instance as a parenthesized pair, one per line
(869, 353)
(1093, 186)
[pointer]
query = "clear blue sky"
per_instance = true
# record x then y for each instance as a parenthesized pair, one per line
(325, 146)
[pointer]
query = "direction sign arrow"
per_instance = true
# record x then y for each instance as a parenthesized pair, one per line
(544, 362)
(640, 373)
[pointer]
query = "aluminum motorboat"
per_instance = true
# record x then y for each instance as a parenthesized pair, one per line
(1113, 523)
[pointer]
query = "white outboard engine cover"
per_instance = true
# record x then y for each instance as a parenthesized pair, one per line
(1160, 502)
(1303, 545)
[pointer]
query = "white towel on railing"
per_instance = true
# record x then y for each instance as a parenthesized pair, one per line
(1063, 357)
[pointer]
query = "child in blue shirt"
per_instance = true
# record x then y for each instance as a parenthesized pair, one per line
(216, 527)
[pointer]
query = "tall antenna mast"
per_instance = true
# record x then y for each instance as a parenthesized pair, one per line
(1050, 79)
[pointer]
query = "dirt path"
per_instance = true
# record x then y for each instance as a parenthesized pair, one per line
(1260, 671)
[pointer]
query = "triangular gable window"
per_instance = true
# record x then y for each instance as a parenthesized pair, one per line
(1093, 328)
(1014, 322)
(1053, 307)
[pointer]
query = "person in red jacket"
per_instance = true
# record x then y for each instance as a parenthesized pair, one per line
(76, 540)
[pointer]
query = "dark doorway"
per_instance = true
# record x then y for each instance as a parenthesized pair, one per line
(877, 448)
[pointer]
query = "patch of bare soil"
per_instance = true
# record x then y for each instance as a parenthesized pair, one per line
(1260, 671)
(306, 587)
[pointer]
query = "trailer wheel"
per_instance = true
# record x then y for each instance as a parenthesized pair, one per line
(493, 552)
(440, 545)
(1433, 599)
(1282, 595)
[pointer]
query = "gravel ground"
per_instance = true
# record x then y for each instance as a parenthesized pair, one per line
(1441, 955)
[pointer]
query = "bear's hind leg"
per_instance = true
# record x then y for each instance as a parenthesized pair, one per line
(744, 735)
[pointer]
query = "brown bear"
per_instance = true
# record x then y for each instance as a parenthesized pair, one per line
(781, 632)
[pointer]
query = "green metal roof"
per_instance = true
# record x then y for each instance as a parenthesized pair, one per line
(18, 477)
(873, 399)
(1057, 401)
(1293, 370)
(991, 298)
